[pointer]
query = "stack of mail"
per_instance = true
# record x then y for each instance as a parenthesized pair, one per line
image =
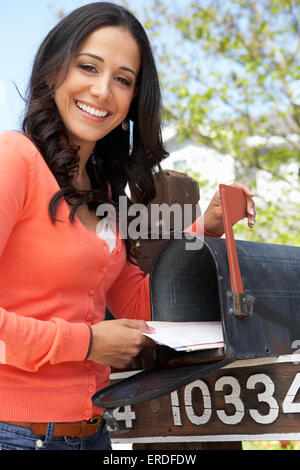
(187, 336)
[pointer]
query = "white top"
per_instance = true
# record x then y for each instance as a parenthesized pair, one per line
(108, 235)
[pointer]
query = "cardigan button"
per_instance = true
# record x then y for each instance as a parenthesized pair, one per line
(91, 292)
(88, 414)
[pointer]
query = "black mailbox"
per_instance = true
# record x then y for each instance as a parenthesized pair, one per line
(262, 320)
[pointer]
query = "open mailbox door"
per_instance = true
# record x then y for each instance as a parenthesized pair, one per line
(252, 288)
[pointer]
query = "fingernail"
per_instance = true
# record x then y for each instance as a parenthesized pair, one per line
(251, 211)
(149, 329)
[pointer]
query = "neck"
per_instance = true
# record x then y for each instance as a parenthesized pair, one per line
(84, 154)
(81, 179)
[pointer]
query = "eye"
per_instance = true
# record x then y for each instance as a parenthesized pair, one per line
(87, 68)
(124, 81)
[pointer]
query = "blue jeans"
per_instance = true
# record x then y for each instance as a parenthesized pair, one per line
(19, 438)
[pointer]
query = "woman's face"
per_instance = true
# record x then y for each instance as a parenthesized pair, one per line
(96, 95)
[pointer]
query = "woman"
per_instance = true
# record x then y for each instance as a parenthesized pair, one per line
(93, 73)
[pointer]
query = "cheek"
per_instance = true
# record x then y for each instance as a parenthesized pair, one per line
(59, 100)
(63, 109)
(124, 103)
(68, 90)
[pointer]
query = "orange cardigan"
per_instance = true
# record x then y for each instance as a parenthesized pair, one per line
(55, 279)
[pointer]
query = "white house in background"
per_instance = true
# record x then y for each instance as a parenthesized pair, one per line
(218, 168)
(212, 166)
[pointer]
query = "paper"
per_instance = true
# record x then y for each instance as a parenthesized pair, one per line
(187, 336)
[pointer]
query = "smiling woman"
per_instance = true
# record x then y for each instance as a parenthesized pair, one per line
(99, 87)
(92, 74)
(96, 59)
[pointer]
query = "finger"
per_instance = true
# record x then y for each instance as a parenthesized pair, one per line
(149, 329)
(251, 212)
(247, 189)
(136, 324)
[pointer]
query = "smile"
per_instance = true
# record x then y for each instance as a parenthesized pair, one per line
(91, 111)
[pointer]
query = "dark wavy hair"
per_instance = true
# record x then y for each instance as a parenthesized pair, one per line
(113, 164)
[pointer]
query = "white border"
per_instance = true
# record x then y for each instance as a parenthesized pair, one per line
(213, 438)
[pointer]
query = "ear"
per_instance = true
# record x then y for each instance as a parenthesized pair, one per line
(50, 81)
(50, 84)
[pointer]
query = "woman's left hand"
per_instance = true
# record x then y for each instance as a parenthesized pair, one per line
(213, 217)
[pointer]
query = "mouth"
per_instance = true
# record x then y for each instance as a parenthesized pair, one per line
(90, 111)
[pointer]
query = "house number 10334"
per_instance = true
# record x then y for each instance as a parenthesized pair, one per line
(234, 398)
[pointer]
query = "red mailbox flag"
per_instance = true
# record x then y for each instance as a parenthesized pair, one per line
(234, 207)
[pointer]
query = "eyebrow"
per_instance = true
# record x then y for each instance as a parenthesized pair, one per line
(102, 60)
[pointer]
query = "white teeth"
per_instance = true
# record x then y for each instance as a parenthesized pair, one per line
(92, 111)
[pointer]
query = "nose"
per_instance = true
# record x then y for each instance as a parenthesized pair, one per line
(102, 88)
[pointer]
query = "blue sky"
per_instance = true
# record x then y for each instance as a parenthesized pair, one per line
(23, 25)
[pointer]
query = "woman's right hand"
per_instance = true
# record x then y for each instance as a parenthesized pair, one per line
(117, 342)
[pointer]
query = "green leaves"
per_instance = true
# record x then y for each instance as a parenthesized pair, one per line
(230, 74)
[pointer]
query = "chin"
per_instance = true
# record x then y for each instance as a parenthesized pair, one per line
(85, 138)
